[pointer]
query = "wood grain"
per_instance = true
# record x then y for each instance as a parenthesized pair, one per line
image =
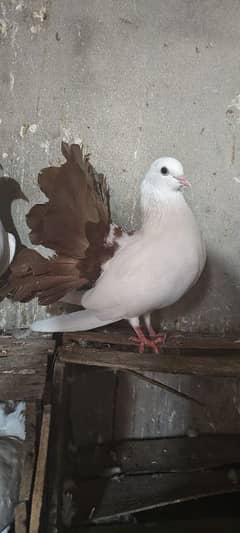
(174, 454)
(207, 364)
(23, 366)
(38, 488)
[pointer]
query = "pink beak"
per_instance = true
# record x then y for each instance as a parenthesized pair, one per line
(184, 182)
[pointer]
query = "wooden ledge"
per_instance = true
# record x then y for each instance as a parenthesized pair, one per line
(209, 363)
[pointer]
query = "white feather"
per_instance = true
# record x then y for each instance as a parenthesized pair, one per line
(79, 321)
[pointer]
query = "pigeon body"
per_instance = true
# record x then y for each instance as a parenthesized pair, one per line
(150, 269)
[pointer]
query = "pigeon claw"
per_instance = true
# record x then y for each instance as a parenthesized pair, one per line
(144, 341)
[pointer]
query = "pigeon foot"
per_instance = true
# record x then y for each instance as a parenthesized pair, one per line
(144, 341)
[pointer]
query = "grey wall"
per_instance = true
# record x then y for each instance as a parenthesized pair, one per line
(133, 80)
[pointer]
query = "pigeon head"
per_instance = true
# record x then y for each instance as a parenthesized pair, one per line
(10, 190)
(167, 174)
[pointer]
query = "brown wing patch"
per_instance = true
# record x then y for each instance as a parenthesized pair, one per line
(77, 197)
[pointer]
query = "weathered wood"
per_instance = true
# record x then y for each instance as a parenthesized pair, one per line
(200, 525)
(38, 488)
(201, 365)
(23, 366)
(118, 335)
(20, 518)
(91, 404)
(164, 386)
(152, 412)
(158, 455)
(29, 454)
(58, 437)
(137, 493)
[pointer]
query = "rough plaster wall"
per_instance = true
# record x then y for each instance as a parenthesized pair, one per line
(134, 80)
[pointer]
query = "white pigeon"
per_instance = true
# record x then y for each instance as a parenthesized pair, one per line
(7, 248)
(151, 269)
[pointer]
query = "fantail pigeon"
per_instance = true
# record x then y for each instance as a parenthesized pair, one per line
(130, 274)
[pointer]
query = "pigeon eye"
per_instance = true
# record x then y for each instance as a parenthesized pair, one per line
(164, 171)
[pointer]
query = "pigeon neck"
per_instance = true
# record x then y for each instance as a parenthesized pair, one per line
(156, 203)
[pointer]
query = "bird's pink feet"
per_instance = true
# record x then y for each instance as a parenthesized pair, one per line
(143, 341)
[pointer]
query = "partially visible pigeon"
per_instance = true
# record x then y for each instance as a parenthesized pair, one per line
(12, 436)
(10, 190)
(124, 276)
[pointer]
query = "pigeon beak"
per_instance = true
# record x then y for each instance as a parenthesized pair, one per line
(184, 181)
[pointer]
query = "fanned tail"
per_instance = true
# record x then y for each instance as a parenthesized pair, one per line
(74, 222)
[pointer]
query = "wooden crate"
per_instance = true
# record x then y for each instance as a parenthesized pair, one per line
(125, 473)
(124, 463)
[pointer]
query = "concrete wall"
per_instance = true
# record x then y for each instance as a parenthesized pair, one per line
(134, 80)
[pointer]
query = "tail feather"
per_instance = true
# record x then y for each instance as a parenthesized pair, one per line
(79, 321)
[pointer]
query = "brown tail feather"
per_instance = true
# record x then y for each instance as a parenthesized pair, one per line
(49, 279)
(74, 222)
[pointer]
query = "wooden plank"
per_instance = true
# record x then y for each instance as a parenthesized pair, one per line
(38, 488)
(29, 453)
(177, 454)
(132, 494)
(201, 365)
(118, 335)
(94, 388)
(152, 412)
(20, 518)
(200, 525)
(57, 444)
(23, 366)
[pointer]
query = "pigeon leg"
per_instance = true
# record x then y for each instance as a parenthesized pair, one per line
(157, 337)
(143, 341)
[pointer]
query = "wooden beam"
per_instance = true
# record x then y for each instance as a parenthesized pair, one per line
(132, 494)
(117, 335)
(57, 445)
(174, 454)
(200, 525)
(204, 364)
(38, 488)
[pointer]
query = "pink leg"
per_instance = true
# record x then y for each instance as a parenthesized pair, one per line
(157, 337)
(144, 341)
